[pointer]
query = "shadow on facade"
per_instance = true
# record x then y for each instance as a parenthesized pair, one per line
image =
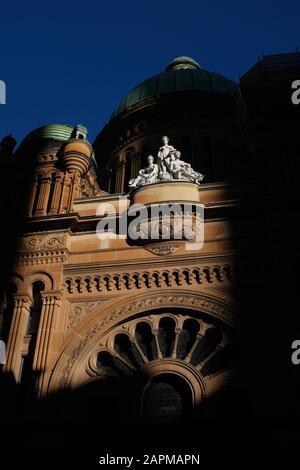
(15, 190)
(106, 415)
(259, 411)
(262, 408)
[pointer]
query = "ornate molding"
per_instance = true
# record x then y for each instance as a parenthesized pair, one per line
(212, 307)
(162, 250)
(112, 283)
(43, 242)
(52, 298)
(79, 310)
(43, 248)
(89, 186)
(21, 300)
(185, 225)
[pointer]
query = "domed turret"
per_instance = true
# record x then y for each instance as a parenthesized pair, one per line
(199, 110)
(77, 156)
(59, 132)
(51, 138)
(57, 164)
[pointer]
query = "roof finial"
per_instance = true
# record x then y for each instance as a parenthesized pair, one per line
(183, 62)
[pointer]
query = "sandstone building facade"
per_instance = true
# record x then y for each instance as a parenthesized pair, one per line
(77, 309)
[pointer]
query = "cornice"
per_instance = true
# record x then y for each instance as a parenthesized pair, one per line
(153, 261)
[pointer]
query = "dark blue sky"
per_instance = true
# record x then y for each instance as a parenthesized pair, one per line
(72, 61)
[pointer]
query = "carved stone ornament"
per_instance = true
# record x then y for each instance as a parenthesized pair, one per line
(79, 310)
(177, 227)
(162, 250)
(209, 306)
(169, 167)
(42, 242)
(42, 248)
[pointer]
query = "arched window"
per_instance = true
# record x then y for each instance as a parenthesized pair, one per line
(51, 194)
(166, 336)
(167, 357)
(25, 370)
(35, 311)
(127, 176)
(206, 159)
(166, 399)
(37, 192)
(187, 338)
(113, 175)
(186, 150)
(145, 152)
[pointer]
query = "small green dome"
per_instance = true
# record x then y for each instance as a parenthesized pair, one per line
(181, 74)
(60, 132)
(53, 132)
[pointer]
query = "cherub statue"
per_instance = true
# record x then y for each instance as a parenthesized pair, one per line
(146, 176)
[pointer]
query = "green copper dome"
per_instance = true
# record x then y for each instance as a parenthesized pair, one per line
(181, 74)
(52, 132)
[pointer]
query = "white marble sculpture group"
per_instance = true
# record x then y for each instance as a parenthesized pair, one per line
(169, 167)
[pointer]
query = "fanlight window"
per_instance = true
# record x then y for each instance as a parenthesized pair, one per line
(139, 342)
(175, 361)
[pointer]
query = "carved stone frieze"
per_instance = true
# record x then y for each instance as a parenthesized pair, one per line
(41, 242)
(162, 250)
(42, 248)
(79, 310)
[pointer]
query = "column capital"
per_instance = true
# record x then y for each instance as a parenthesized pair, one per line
(22, 300)
(54, 295)
(46, 178)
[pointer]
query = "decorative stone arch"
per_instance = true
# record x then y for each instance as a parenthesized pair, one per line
(86, 337)
(42, 277)
(17, 280)
(183, 371)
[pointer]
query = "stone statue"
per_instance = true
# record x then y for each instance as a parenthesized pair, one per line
(181, 170)
(147, 175)
(164, 154)
(169, 167)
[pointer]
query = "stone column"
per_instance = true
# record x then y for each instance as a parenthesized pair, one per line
(54, 203)
(69, 191)
(120, 177)
(65, 190)
(74, 190)
(110, 181)
(43, 195)
(49, 339)
(32, 196)
(135, 165)
(17, 332)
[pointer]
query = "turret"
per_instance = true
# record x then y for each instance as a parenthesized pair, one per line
(58, 161)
